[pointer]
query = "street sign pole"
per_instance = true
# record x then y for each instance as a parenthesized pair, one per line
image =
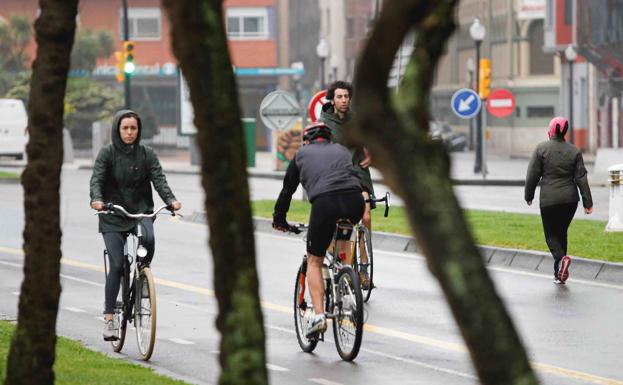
(478, 158)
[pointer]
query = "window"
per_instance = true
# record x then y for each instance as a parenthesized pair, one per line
(247, 23)
(350, 27)
(540, 111)
(541, 63)
(143, 23)
(568, 12)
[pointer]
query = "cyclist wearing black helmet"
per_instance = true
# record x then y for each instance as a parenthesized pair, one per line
(326, 172)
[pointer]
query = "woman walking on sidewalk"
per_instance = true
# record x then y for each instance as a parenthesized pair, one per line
(560, 168)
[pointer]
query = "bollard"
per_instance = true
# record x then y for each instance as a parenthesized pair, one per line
(615, 212)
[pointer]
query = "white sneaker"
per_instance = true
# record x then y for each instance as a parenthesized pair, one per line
(110, 331)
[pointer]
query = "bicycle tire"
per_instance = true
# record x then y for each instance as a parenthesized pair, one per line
(303, 310)
(145, 313)
(348, 321)
(364, 240)
(368, 246)
(121, 312)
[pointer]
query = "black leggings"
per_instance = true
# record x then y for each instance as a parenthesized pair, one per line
(326, 210)
(556, 220)
(114, 242)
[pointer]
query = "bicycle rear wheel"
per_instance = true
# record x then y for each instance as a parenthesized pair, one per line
(365, 241)
(348, 321)
(145, 313)
(303, 310)
(120, 316)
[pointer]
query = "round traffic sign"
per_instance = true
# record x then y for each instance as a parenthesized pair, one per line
(315, 105)
(465, 103)
(501, 103)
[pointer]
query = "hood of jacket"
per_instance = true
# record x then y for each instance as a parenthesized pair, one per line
(116, 137)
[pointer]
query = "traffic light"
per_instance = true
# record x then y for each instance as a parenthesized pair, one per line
(484, 78)
(120, 64)
(128, 56)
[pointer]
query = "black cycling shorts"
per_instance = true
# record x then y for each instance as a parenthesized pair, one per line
(326, 210)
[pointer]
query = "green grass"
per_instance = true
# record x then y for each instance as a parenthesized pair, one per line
(492, 228)
(8, 175)
(77, 365)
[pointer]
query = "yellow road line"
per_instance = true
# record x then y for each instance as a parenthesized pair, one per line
(568, 373)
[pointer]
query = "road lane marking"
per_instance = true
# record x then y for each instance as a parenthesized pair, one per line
(74, 309)
(276, 368)
(15, 293)
(371, 328)
(181, 341)
(322, 381)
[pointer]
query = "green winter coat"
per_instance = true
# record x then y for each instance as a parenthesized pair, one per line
(122, 175)
(328, 117)
(560, 167)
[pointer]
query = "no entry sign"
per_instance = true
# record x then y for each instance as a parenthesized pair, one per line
(315, 105)
(501, 103)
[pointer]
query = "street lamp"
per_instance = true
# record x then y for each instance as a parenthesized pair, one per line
(322, 50)
(571, 56)
(477, 32)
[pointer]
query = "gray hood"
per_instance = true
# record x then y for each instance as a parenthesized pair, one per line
(116, 138)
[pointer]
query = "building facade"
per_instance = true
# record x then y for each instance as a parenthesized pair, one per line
(254, 35)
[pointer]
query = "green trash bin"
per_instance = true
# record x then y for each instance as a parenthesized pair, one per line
(248, 125)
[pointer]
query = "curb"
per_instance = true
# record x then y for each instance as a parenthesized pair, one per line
(278, 175)
(530, 260)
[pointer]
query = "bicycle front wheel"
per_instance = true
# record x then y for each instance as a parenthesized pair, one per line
(348, 321)
(145, 313)
(303, 310)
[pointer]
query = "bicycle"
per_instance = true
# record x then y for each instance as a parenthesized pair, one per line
(137, 298)
(343, 302)
(363, 242)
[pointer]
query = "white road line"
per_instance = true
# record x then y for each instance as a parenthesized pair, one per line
(421, 364)
(15, 293)
(181, 341)
(71, 278)
(74, 309)
(101, 319)
(322, 381)
(276, 368)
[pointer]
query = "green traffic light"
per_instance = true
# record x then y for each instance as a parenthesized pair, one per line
(129, 67)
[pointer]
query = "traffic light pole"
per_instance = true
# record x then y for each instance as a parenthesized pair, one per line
(126, 37)
(479, 136)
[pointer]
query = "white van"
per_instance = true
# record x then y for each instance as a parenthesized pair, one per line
(13, 132)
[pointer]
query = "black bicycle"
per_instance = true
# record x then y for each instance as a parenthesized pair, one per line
(137, 298)
(343, 303)
(362, 248)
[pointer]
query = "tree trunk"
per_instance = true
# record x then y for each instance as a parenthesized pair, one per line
(32, 351)
(200, 45)
(417, 169)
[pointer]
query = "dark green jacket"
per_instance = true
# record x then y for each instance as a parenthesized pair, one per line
(122, 175)
(336, 125)
(560, 167)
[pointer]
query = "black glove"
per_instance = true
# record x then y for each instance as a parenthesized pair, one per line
(280, 223)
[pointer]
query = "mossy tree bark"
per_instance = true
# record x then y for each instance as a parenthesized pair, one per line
(200, 45)
(417, 169)
(32, 351)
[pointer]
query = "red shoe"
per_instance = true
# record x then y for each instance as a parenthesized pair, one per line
(563, 272)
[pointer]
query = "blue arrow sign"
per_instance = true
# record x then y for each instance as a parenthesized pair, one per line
(466, 103)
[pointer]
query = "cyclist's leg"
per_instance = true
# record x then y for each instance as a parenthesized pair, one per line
(314, 281)
(148, 239)
(114, 242)
(367, 222)
(319, 234)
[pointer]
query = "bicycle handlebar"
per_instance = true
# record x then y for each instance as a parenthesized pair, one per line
(384, 199)
(110, 208)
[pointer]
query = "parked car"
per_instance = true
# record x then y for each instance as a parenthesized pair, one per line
(13, 131)
(454, 141)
